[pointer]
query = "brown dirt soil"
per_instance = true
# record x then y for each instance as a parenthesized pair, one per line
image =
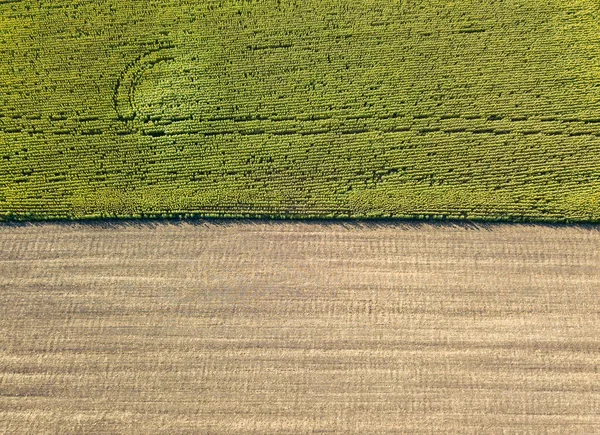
(223, 327)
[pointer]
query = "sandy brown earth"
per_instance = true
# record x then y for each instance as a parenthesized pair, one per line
(299, 327)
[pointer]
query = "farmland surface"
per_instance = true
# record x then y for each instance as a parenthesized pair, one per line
(299, 328)
(480, 109)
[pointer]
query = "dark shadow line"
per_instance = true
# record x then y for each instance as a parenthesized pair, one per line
(344, 222)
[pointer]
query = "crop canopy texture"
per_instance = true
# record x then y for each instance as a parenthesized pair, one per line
(481, 109)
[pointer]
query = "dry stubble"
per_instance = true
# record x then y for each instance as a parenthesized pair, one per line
(299, 327)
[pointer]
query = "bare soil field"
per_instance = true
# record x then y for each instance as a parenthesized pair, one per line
(253, 327)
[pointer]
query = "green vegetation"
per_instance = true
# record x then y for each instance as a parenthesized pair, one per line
(481, 109)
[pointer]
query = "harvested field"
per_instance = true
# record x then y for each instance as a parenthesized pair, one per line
(299, 327)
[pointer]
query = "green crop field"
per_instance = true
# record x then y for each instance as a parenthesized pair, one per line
(478, 109)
